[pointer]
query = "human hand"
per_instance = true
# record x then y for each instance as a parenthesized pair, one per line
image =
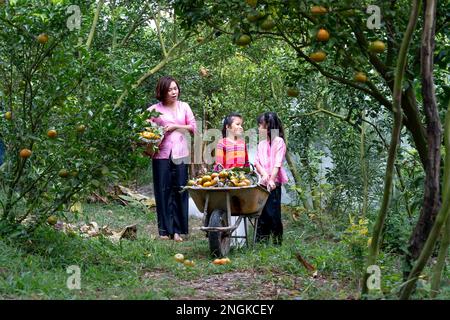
(264, 179)
(170, 127)
(271, 185)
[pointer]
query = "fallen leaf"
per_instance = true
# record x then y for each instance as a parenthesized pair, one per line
(305, 263)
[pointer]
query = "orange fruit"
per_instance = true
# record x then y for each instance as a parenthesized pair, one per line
(81, 128)
(318, 56)
(52, 134)
(223, 174)
(214, 175)
(52, 220)
(146, 135)
(318, 10)
(219, 261)
(8, 115)
(323, 35)
(267, 24)
(25, 153)
(377, 46)
(360, 77)
(179, 257)
(206, 178)
(191, 183)
(235, 181)
(254, 16)
(42, 38)
(189, 263)
(244, 40)
(207, 184)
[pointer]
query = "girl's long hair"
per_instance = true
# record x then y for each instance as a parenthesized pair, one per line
(273, 123)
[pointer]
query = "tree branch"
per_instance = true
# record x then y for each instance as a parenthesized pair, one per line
(94, 24)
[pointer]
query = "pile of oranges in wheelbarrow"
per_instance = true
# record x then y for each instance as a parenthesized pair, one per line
(236, 177)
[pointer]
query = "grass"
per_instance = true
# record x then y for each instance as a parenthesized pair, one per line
(35, 268)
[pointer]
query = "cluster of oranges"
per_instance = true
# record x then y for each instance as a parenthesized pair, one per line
(180, 258)
(51, 133)
(224, 178)
(151, 133)
(375, 47)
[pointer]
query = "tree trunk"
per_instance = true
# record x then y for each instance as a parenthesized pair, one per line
(297, 179)
(444, 212)
(363, 160)
(439, 267)
(414, 124)
(395, 137)
(431, 203)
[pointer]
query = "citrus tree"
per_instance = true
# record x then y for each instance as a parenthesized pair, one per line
(68, 121)
(372, 47)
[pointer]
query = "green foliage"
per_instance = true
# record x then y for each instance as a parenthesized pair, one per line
(357, 241)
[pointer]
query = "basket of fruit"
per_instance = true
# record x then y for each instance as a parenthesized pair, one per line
(151, 138)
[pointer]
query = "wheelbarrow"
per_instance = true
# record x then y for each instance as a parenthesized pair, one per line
(220, 204)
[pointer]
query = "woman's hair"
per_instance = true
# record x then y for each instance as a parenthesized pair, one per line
(273, 123)
(228, 121)
(162, 88)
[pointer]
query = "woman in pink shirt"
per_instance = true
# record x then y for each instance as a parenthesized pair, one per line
(269, 164)
(170, 171)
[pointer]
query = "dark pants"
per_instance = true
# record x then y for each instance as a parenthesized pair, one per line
(171, 205)
(269, 223)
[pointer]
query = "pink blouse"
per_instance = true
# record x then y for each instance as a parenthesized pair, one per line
(269, 156)
(175, 141)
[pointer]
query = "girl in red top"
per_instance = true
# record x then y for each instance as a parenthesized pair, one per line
(231, 150)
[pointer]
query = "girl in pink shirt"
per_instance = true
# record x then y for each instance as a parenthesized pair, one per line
(169, 164)
(269, 164)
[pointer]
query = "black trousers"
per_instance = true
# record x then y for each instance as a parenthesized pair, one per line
(171, 205)
(269, 223)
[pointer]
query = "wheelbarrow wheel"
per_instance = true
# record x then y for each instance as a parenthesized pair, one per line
(219, 242)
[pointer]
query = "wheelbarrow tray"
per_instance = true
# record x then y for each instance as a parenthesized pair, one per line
(248, 200)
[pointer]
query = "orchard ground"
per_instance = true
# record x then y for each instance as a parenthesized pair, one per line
(36, 267)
